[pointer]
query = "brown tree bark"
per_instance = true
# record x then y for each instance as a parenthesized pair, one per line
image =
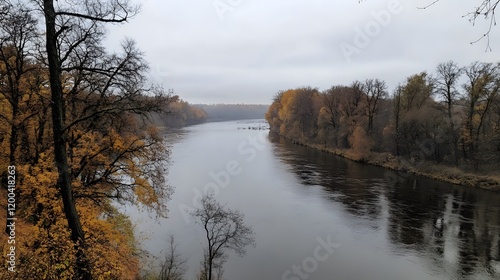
(61, 158)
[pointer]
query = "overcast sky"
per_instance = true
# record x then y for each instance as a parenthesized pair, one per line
(244, 51)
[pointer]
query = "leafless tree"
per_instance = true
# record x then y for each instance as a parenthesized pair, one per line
(173, 266)
(329, 115)
(374, 90)
(397, 109)
(81, 72)
(217, 267)
(445, 81)
(225, 230)
(63, 23)
(18, 36)
(331, 106)
(351, 100)
(305, 108)
(486, 9)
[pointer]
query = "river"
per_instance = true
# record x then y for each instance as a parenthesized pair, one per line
(317, 216)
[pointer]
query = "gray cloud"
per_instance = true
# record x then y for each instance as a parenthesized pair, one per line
(259, 47)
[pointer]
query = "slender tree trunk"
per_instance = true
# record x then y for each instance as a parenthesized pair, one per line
(397, 134)
(14, 136)
(39, 136)
(210, 262)
(454, 137)
(470, 126)
(61, 157)
(370, 123)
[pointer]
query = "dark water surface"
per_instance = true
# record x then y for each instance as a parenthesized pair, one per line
(317, 216)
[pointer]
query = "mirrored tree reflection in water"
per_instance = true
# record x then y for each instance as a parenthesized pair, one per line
(454, 228)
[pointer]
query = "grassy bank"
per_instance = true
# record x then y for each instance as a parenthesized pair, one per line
(445, 173)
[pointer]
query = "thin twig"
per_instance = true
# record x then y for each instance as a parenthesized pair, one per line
(423, 8)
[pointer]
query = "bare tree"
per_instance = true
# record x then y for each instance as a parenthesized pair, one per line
(173, 266)
(329, 115)
(397, 116)
(59, 21)
(486, 9)
(351, 100)
(217, 267)
(446, 80)
(79, 66)
(305, 108)
(331, 105)
(374, 90)
(18, 35)
(225, 230)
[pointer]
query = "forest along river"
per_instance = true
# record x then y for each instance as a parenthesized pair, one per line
(317, 216)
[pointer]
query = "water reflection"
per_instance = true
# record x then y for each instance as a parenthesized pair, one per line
(455, 229)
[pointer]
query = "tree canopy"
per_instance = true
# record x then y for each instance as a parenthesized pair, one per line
(462, 124)
(75, 122)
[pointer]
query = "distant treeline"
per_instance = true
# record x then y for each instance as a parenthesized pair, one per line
(226, 112)
(179, 114)
(451, 116)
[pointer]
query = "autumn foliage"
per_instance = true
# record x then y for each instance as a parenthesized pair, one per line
(116, 158)
(428, 117)
(114, 153)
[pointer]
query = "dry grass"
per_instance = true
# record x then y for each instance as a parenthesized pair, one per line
(450, 174)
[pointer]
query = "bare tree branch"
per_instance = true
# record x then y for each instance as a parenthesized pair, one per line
(428, 5)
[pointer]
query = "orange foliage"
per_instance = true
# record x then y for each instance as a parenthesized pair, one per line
(115, 157)
(43, 246)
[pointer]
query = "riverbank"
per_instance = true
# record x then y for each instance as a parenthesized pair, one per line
(449, 174)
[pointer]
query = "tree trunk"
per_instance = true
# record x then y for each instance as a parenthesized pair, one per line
(370, 123)
(14, 136)
(210, 262)
(61, 158)
(454, 137)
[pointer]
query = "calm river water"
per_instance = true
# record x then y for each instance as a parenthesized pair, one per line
(317, 216)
